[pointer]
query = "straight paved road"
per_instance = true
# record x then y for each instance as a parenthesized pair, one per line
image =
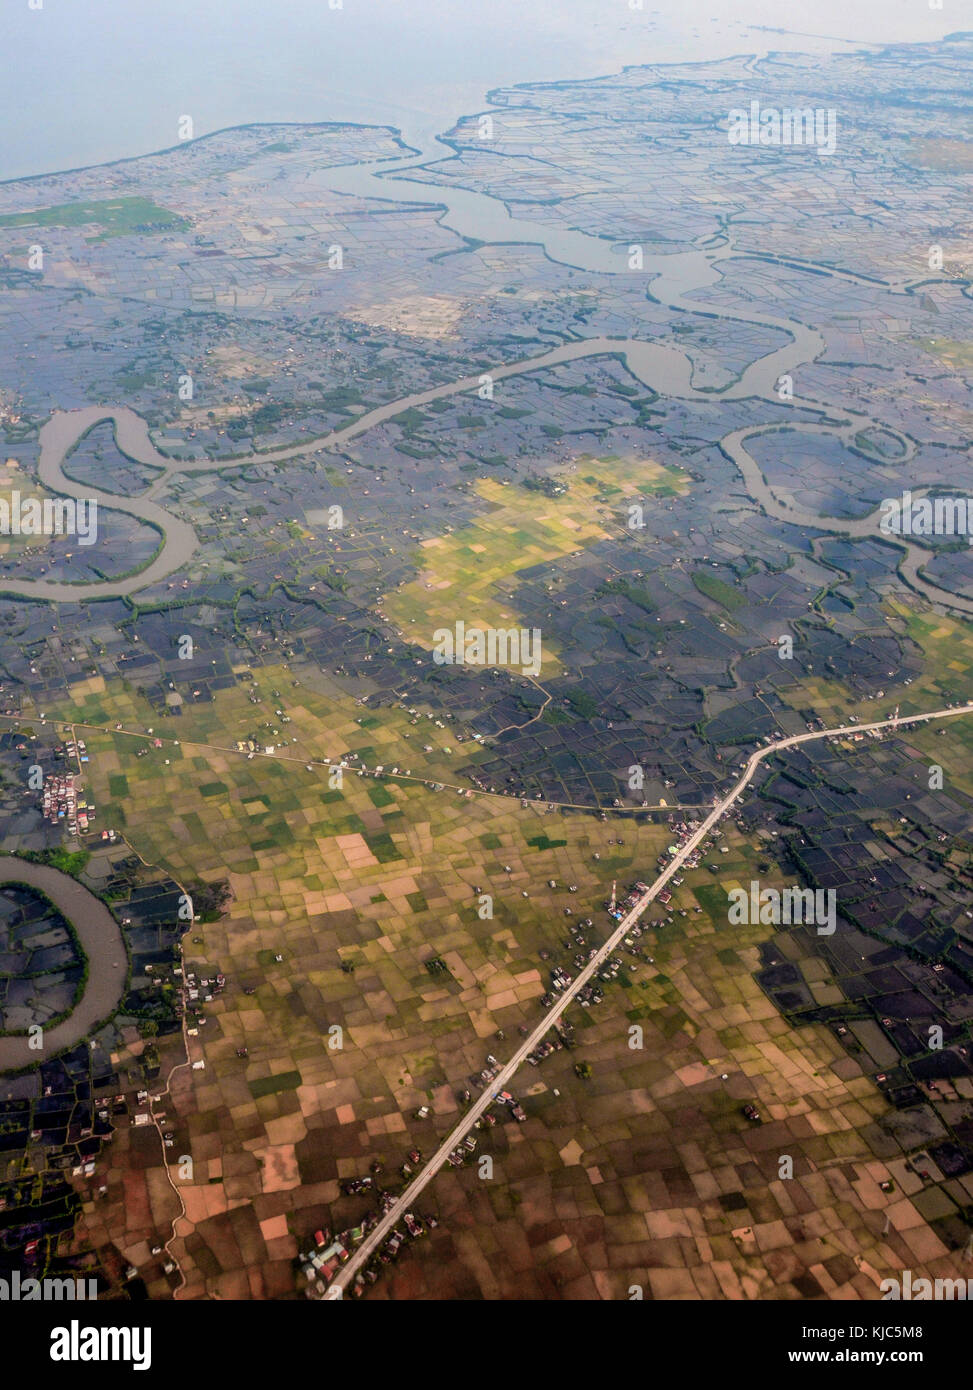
(407, 1200)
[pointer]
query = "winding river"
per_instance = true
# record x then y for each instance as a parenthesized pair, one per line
(102, 942)
(663, 368)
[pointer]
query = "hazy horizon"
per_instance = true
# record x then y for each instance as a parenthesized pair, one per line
(125, 71)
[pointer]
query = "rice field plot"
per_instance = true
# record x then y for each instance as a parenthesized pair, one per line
(469, 574)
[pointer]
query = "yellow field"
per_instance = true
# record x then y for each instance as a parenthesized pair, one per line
(472, 574)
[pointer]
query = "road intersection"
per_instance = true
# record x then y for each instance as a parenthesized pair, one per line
(406, 1202)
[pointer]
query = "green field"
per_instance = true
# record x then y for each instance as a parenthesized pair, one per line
(115, 216)
(270, 1085)
(356, 934)
(468, 572)
(719, 591)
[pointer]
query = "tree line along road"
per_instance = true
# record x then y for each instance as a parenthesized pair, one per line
(429, 1170)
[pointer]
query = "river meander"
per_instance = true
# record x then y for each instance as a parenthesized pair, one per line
(101, 940)
(480, 217)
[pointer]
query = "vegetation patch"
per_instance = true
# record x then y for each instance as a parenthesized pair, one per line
(718, 590)
(115, 217)
(270, 1085)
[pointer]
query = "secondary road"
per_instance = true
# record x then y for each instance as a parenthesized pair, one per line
(329, 764)
(407, 1200)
